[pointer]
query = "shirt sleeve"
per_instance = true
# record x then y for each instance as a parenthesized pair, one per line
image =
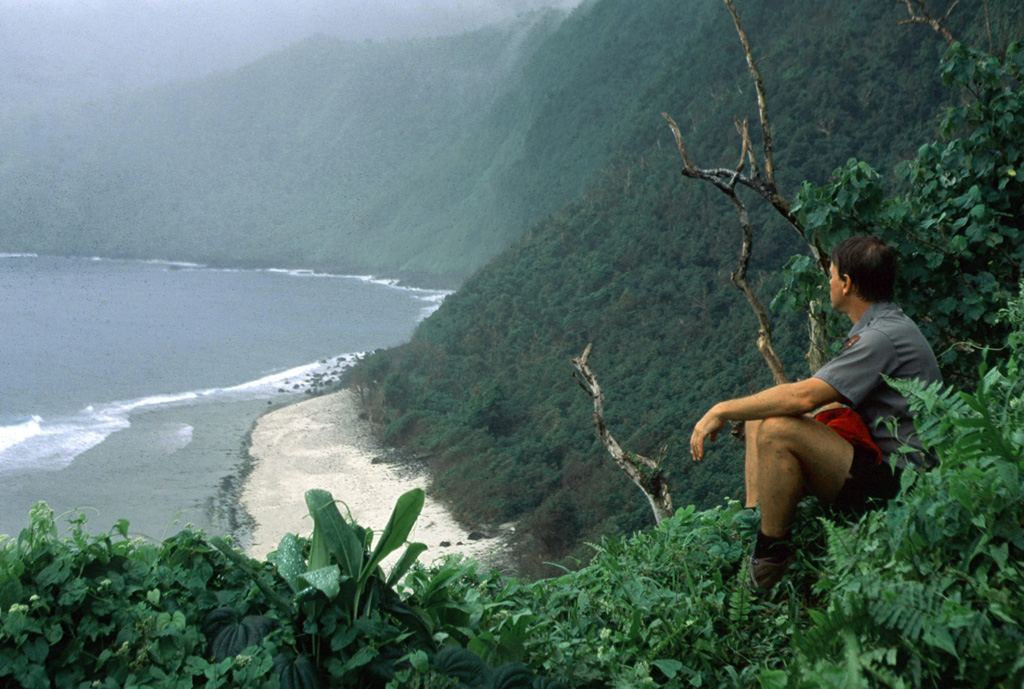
(858, 369)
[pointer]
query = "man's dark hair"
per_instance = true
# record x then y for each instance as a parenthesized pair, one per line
(870, 264)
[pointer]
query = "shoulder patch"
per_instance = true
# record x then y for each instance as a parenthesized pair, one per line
(852, 341)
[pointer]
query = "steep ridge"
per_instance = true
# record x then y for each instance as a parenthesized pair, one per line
(302, 158)
(429, 157)
(639, 266)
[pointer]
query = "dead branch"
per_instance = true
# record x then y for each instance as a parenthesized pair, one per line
(644, 472)
(748, 146)
(739, 278)
(762, 100)
(918, 13)
(725, 180)
(764, 185)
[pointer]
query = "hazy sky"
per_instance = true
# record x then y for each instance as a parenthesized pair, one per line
(349, 18)
(80, 46)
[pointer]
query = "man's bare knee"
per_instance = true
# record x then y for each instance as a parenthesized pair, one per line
(778, 430)
(823, 455)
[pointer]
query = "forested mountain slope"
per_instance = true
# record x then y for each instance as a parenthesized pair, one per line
(639, 264)
(427, 157)
(327, 154)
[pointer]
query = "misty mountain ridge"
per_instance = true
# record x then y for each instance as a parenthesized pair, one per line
(305, 157)
(68, 50)
(531, 157)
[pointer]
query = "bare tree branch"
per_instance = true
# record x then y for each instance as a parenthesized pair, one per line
(739, 278)
(988, 28)
(725, 180)
(687, 161)
(918, 13)
(748, 147)
(762, 100)
(646, 473)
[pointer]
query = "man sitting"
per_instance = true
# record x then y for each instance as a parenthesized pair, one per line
(834, 457)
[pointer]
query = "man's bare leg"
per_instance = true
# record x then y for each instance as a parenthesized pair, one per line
(797, 456)
(751, 465)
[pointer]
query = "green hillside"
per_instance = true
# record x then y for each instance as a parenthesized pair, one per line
(426, 158)
(639, 265)
(327, 154)
(924, 592)
(544, 135)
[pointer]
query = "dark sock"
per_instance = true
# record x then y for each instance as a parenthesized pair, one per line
(767, 546)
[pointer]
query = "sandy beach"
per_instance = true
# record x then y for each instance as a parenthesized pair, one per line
(322, 443)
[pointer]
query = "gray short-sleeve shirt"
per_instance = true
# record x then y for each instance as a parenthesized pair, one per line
(883, 341)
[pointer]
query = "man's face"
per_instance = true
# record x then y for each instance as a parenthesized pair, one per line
(836, 286)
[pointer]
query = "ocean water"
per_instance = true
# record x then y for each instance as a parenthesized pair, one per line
(94, 352)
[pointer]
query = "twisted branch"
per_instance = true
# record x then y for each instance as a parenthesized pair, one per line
(646, 473)
(725, 180)
(762, 100)
(917, 11)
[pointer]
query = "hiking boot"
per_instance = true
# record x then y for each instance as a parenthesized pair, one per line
(765, 572)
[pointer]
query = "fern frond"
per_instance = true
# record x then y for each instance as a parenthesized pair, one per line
(821, 638)
(741, 601)
(904, 608)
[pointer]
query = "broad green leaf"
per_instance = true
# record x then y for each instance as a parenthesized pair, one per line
(403, 518)
(244, 563)
(939, 637)
(326, 579)
(11, 592)
(332, 535)
(289, 561)
(407, 560)
(669, 667)
(419, 660)
(121, 527)
(363, 656)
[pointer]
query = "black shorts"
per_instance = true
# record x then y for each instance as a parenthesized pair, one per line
(870, 485)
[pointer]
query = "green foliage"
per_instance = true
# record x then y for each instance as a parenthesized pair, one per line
(229, 635)
(297, 673)
(955, 215)
(923, 593)
(639, 265)
(344, 606)
(107, 610)
(463, 665)
(113, 612)
(469, 671)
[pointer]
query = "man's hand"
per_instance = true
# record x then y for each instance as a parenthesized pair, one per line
(787, 399)
(707, 427)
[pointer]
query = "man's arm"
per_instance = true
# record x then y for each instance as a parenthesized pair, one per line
(789, 399)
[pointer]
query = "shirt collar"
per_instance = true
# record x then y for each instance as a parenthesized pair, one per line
(876, 310)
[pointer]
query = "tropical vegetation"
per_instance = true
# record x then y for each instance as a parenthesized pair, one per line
(639, 266)
(924, 593)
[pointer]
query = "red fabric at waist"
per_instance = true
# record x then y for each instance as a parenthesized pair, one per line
(848, 424)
